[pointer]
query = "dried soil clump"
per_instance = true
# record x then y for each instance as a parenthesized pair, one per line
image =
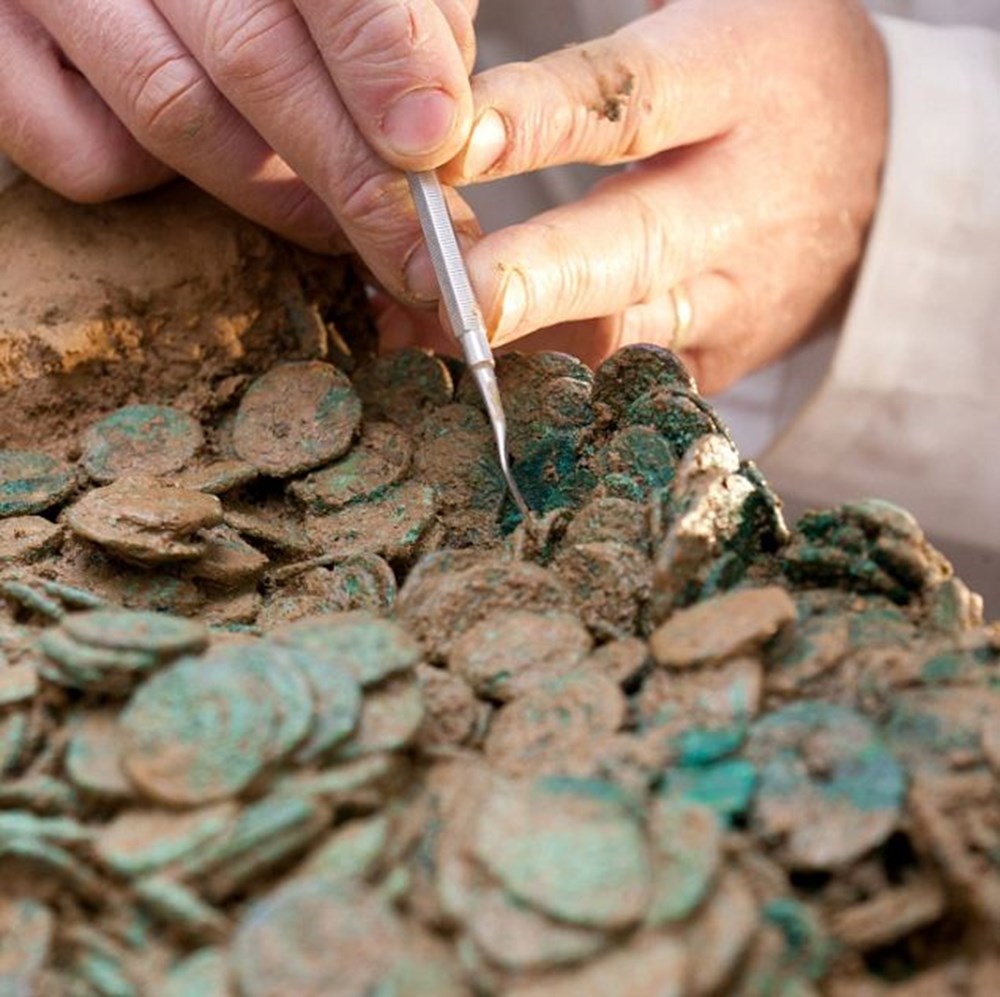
(292, 702)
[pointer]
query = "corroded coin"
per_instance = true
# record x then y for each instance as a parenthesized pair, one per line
(296, 417)
(32, 482)
(440, 607)
(391, 525)
(829, 788)
(557, 728)
(722, 628)
(403, 386)
(145, 522)
(379, 459)
(24, 539)
(634, 370)
(140, 439)
(159, 634)
(569, 848)
(313, 939)
(513, 651)
(201, 730)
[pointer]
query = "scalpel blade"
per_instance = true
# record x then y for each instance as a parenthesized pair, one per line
(463, 311)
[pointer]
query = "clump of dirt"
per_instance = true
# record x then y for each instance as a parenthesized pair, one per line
(167, 296)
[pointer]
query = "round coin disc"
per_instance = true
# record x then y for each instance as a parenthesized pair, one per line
(201, 730)
(32, 482)
(140, 439)
(296, 417)
(160, 634)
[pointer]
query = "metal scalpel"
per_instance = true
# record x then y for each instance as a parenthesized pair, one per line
(464, 314)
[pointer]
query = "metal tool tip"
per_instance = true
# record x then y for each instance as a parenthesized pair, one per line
(486, 379)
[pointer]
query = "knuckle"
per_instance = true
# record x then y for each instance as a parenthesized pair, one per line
(374, 204)
(257, 49)
(167, 103)
(382, 33)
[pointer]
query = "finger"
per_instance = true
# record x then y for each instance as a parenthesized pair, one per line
(261, 55)
(55, 126)
(628, 241)
(165, 99)
(400, 327)
(400, 73)
(670, 79)
(461, 15)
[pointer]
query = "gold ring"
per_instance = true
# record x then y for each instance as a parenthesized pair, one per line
(683, 315)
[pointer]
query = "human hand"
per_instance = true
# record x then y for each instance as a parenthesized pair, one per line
(291, 111)
(757, 129)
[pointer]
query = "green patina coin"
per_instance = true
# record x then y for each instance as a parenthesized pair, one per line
(337, 698)
(520, 939)
(391, 524)
(549, 473)
(391, 715)
(93, 756)
(633, 371)
(296, 417)
(98, 669)
(284, 672)
(639, 455)
(265, 834)
(201, 730)
(403, 386)
(379, 459)
(680, 417)
(686, 840)
(367, 582)
(367, 647)
(140, 439)
(568, 848)
(158, 634)
(312, 939)
(141, 841)
(32, 482)
(829, 789)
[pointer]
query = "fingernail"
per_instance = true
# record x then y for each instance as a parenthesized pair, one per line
(513, 306)
(420, 122)
(486, 144)
(419, 276)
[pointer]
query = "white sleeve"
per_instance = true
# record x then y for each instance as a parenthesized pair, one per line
(909, 407)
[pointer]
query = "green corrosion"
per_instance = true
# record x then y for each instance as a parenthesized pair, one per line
(726, 787)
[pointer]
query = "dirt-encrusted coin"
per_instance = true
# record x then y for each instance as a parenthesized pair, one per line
(296, 417)
(203, 729)
(829, 789)
(32, 482)
(379, 459)
(143, 521)
(140, 439)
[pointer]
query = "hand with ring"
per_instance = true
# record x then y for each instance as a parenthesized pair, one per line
(755, 131)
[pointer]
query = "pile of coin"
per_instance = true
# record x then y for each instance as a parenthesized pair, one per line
(294, 703)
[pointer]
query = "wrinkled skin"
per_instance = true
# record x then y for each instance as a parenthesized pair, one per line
(756, 130)
(281, 108)
(757, 133)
